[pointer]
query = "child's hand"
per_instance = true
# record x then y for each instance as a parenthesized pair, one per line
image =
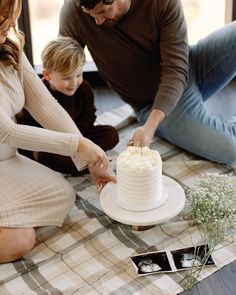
(101, 176)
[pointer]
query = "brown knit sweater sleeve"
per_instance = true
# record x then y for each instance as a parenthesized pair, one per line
(173, 55)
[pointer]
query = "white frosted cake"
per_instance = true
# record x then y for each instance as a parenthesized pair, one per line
(139, 179)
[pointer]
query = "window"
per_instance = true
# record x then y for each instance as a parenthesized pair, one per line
(44, 24)
(203, 16)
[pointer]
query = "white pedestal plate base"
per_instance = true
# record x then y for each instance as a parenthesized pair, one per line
(174, 200)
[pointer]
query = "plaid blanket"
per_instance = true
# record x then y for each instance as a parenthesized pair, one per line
(90, 253)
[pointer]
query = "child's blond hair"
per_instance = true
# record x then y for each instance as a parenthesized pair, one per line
(63, 55)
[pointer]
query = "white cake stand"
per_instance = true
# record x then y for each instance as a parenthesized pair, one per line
(173, 204)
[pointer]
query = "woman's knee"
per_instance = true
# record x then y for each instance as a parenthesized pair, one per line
(15, 243)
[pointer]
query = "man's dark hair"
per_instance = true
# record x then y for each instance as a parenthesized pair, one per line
(90, 4)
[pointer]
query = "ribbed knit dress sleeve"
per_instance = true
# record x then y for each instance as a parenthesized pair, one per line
(61, 135)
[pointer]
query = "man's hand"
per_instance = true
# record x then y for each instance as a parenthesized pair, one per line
(143, 135)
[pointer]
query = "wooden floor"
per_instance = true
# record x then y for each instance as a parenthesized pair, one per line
(223, 282)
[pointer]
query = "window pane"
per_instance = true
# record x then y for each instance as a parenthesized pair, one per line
(203, 17)
(44, 19)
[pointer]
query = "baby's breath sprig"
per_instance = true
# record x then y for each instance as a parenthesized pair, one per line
(212, 202)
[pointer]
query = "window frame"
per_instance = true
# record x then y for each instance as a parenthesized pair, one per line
(24, 25)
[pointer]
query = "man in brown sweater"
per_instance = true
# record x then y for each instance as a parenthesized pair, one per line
(141, 49)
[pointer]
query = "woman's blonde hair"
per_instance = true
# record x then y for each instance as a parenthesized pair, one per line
(11, 49)
(63, 55)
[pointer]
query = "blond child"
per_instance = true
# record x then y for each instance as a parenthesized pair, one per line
(63, 60)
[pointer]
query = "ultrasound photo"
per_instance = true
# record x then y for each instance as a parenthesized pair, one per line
(193, 256)
(171, 260)
(151, 263)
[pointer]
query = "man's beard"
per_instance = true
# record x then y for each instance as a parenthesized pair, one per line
(111, 22)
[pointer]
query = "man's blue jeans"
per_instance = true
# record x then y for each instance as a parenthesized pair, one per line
(190, 125)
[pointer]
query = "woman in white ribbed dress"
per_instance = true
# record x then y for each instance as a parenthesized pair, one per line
(32, 195)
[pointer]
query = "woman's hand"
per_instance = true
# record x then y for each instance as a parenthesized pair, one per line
(91, 154)
(96, 160)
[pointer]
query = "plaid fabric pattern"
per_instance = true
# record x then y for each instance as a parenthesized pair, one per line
(90, 253)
